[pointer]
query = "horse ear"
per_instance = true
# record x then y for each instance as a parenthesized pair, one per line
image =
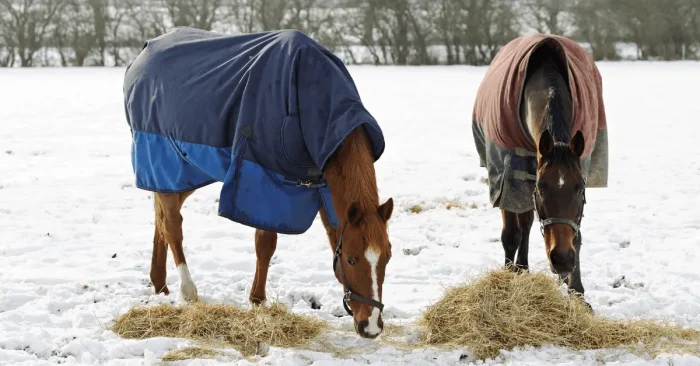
(577, 144)
(386, 209)
(354, 214)
(546, 145)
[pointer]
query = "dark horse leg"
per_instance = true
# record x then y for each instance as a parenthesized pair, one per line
(515, 237)
(573, 280)
(525, 220)
(575, 277)
(510, 236)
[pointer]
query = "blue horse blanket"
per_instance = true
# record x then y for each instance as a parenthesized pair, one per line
(260, 112)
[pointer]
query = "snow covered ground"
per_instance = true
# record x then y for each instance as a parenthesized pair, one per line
(76, 236)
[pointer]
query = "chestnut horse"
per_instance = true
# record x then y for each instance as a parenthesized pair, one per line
(262, 113)
(361, 247)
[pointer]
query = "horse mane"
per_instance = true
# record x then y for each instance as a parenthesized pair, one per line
(547, 61)
(350, 174)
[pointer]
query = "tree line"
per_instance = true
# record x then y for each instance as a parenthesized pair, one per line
(397, 32)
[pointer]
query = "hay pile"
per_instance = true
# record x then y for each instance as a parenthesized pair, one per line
(504, 310)
(244, 330)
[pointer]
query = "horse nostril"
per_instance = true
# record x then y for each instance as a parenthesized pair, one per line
(562, 260)
(364, 332)
(361, 327)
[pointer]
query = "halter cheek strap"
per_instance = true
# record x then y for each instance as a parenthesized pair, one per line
(349, 294)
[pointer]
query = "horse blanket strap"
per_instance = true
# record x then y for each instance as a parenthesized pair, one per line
(253, 111)
(503, 140)
(349, 294)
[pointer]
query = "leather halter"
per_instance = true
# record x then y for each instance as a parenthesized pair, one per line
(349, 294)
(544, 222)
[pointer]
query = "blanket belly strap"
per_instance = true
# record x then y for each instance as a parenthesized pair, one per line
(307, 184)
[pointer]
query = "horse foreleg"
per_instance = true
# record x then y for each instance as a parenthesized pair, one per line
(575, 277)
(168, 207)
(265, 245)
(510, 236)
(525, 220)
(573, 280)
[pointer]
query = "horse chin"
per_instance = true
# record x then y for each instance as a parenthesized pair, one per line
(565, 273)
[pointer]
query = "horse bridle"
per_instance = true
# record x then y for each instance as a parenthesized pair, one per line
(544, 222)
(349, 294)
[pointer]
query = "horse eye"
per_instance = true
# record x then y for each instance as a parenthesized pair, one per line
(351, 261)
(541, 185)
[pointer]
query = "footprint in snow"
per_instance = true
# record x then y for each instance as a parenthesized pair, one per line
(622, 281)
(413, 251)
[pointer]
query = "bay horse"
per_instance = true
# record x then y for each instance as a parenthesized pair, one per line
(280, 123)
(558, 94)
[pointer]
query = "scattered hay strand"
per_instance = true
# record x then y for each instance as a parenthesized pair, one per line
(416, 209)
(504, 310)
(244, 330)
(189, 353)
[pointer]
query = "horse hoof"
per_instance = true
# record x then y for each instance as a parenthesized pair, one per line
(256, 302)
(189, 293)
(162, 290)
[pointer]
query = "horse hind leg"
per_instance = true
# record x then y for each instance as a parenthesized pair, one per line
(158, 260)
(510, 236)
(265, 245)
(525, 221)
(169, 225)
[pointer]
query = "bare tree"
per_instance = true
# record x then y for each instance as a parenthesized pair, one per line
(486, 27)
(7, 45)
(100, 21)
(597, 24)
(193, 13)
(312, 17)
(445, 15)
(144, 20)
(547, 16)
(117, 14)
(29, 22)
(74, 32)
(271, 13)
(244, 15)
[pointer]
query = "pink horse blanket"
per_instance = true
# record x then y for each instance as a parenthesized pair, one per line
(502, 140)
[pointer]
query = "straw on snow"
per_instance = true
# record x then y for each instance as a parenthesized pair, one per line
(242, 329)
(503, 310)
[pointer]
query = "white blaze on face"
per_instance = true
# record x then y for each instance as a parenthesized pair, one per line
(372, 256)
(561, 179)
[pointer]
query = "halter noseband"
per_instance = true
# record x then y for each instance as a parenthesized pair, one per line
(349, 294)
(576, 225)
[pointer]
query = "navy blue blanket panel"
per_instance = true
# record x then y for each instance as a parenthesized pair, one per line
(260, 112)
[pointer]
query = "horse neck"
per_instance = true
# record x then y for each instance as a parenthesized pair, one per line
(351, 177)
(548, 104)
